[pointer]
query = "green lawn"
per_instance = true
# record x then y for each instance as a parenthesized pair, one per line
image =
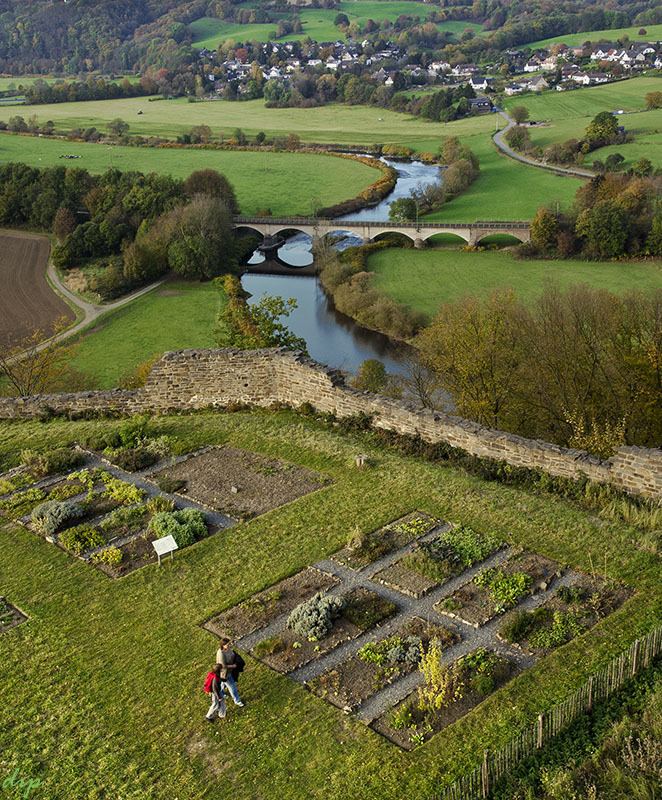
(653, 33)
(424, 279)
(566, 115)
(317, 23)
(103, 685)
(287, 183)
(175, 316)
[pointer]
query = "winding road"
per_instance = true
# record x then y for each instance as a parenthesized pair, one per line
(500, 142)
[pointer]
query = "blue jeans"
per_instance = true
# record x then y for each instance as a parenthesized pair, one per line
(231, 685)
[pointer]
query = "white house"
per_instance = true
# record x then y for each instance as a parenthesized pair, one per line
(533, 65)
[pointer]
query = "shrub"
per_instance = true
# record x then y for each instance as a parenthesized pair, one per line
(313, 619)
(505, 589)
(59, 460)
(20, 504)
(80, 539)
(122, 492)
(402, 717)
(122, 519)
(110, 556)
(518, 625)
(160, 503)
(186, 526)
(392, 651)
(170, 485)
(48, 517)
(565, 626)
(131, 459)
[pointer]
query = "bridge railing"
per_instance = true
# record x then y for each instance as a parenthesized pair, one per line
(340, 224)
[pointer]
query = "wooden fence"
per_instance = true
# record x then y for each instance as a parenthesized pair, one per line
(477, 784)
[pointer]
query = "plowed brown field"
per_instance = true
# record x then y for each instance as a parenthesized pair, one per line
(27, 302)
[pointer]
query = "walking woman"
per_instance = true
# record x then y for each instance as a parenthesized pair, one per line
(214, 687)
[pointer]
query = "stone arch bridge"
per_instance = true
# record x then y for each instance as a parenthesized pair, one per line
(418, 232)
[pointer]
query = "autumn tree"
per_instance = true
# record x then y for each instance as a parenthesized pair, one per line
(520, 114)
(544, 230)
(653, 100)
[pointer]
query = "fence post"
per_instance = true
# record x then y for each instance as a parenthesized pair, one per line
(541, 719)
(635, 656)
(485, 775)
(589, 702)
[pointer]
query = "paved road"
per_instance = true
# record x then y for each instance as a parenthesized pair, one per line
(500, 142)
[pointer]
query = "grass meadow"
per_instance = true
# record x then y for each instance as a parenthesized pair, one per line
(105, 678)
(287, 183)
(653, 34)
(425, 279)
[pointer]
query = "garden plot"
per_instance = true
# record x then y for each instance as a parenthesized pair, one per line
(320, 624)
(380, 663)
(499, 589)
(435, 561)
(364, 548)
(264, 607)
(570, 611)
(450, 693)
(240, 483)
(10, 616)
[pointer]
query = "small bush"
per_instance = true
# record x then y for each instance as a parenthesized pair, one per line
(80, 539)
(170, 485)
(186, 526)
(160, 503)
(110, 556)
(505, 589)
(131, 459)
(122, 492)
(393, 651)
(314, 618)
(124, 519)
(59, 460)
(402, 718)
(48, 517)
(18, 505)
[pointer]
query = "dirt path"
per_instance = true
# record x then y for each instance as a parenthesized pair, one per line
(505, 148)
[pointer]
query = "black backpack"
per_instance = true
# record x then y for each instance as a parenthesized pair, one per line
(239, 661)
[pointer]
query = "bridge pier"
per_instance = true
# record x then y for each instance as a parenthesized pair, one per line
(420, 244)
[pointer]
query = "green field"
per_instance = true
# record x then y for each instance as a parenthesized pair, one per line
(111, 672)
(424, 279)
(653, 34)
(174, 316)
(566, 115)
(287, 183)
(317, 23)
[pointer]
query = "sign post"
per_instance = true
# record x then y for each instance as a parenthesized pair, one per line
(165, 545)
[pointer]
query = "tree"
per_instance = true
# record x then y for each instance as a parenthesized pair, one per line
(605, 229)
(519, 138)
(371, 376)
(544, 230)
(520, 114)
(64, 223)
(404, 209)
(654, 241)
(602, 129)
(118, 127)
(213, 184)
(613, 162)
(341, 20)
(653, 100)
(643, 167)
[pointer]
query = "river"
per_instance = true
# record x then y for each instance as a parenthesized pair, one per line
(334, 338)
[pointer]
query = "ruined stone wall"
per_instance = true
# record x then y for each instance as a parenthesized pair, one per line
(194, 379)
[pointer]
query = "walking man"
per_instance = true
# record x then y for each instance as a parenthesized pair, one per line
(226, 659)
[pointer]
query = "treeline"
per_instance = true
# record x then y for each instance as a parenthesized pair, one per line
(132, 227)
(93, 88)
(613, 216)
(580, 367)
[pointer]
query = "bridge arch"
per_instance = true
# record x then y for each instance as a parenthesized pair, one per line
(446, 237)
(501, 239)
(410, 237)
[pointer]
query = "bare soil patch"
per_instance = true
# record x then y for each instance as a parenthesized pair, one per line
(262, 608)
(27, 301)
(477, 605)
(287, 651)
(10, 616)
(357, 679)
(363, 549)
(240, 483)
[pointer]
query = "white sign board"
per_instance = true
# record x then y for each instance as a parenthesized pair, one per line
(165, 545)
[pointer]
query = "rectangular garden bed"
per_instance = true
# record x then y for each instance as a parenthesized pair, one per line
(10, 616)
(378, 664)
(571, 611)
(363, 549)
(240, 483)
(470, 680)
(22, 502)
(434, 561)
(262, 608)
(136, 553)
(499, 589)
(287, 650)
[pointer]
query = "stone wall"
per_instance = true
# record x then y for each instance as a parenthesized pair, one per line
(194, 379)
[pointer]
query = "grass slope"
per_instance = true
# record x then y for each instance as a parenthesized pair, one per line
(424, 279)
(175, 316)
(111, 671)
(653, 33)
(286, 183)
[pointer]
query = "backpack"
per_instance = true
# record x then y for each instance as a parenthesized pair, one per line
(208, 682)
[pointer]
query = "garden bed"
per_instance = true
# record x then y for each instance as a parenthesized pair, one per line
(435, 561)
(10, 616)
(262, 608)
(469, 680)
(22, 502)
(379, 664)
(136, 553)
(571, 611)
(288, 650)
(362, 549)
(240, 483)
(494, 591)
